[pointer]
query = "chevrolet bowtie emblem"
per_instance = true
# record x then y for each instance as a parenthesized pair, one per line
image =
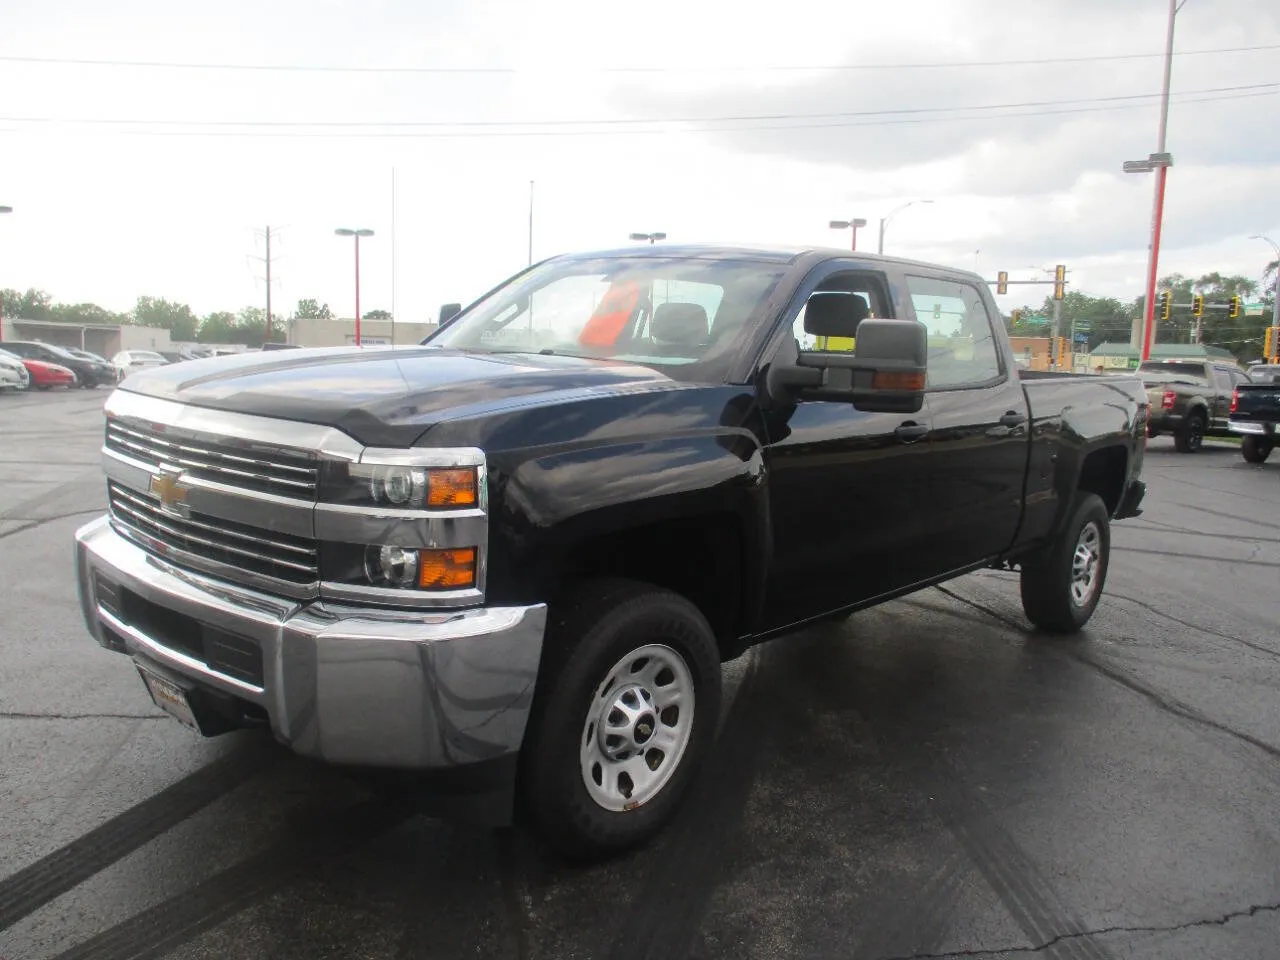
(169, 489)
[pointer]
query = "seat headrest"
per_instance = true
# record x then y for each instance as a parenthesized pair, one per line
(834, 314)
(679, 323)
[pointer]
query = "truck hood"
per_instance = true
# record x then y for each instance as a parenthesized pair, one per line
(383, 396)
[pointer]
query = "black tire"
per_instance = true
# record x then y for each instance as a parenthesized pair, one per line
(42, 386)
(1255, 449)
(1191, 437)
(589, 633)
(1048, 577)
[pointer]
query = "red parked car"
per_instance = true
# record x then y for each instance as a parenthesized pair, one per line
(45, 375)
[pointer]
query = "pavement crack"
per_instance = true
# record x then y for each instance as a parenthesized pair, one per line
(1175, 707)
(989, 611)
(20, 715)
(44, 520)
(1218, 921)
(1192, 625)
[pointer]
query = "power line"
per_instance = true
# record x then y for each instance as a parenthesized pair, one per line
(632, 121)
(769, 68)
(369, 129)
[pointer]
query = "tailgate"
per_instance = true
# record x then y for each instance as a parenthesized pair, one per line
(1257, 401)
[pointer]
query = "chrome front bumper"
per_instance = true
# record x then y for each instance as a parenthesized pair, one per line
(384, 688)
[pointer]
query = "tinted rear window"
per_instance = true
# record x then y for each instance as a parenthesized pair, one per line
(1181, 372)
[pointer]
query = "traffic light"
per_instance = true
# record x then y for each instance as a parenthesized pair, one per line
(1197, 305)
(1015, 316)
(1233, 310)
(1002, 281)
(1271, 345)
(1059, 281)
(1164, 305)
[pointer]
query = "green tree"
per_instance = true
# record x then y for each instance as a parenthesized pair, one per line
(218, 327)
(32, 305)
(177, 318)
(377, 315)
(86, 313)
(311, 310)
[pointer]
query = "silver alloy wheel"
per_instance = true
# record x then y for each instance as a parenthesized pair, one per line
(1085, 563)
(637, 727)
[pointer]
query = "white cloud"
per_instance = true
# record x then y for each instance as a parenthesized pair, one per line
(105, 214)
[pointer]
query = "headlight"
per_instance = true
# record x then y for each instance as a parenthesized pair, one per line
(394, 480)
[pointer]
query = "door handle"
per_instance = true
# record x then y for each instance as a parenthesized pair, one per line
(911, 431)
(1013, 418)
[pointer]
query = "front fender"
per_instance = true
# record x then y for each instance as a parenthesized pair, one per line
(553, 502)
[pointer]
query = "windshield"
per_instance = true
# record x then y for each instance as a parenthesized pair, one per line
(686, 316)
(1175, 372)
(1264, 374)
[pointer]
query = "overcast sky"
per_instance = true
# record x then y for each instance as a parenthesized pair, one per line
(696, 117)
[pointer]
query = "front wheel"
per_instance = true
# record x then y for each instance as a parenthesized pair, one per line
(1061, 585)
(1255, 449)
(625, 710)
(1191, 437)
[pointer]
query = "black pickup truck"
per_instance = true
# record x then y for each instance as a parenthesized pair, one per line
(513, 557)
(1255, 412)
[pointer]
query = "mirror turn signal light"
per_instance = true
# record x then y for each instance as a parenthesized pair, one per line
(447, 569)
(897, 380)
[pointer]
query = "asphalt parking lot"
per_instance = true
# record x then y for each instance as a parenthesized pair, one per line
(930, 779)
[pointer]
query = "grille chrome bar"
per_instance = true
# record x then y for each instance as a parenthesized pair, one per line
(280, 472)
(288, 558)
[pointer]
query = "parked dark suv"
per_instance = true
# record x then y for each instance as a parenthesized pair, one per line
(89, 373)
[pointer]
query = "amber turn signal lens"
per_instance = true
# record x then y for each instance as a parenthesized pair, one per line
(452, 488)
(447, 569)
(893, 380)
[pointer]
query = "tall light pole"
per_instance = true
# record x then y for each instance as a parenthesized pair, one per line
(651, 237)
(3, 209)
(847, 224)
(884, 221)
(362, 232)
(1275, 307)
(1160, 162)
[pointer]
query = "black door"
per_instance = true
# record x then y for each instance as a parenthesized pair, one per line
(848, 489)
(979, 413)
(847, 492)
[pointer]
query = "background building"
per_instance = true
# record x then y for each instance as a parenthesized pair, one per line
(106, 340)
(341, 331)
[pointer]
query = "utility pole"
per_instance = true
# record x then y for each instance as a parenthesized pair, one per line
(267, 260)
(393, 256)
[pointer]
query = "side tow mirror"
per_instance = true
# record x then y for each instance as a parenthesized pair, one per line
(885, 373)
(448, 311)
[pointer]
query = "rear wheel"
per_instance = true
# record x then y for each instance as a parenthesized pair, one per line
(1061, 585)
(626, 707)
(1255, 449)
(1191, 437)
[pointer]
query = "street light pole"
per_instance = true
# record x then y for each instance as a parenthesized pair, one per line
(845, 225)
(1157, 211)
(347, 232)
(1275, 307)
(884, 221)
(651, 237)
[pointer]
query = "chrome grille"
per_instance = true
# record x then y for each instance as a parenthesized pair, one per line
(279, 472)
(199, 537)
